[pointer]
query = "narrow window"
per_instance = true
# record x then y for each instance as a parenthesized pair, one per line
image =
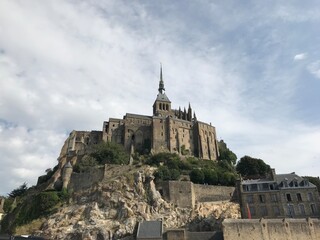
(262, 198)
(289, 197)
(302, 210)
(274, 198)
(299, 197)
(290, 210)
(313, 208)
(310, 197)
(263, 211)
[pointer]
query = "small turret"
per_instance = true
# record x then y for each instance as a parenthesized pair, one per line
(66, 174)
(189, 118)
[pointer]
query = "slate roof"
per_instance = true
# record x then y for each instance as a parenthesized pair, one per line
(162, 97)
(256, 181)
(290, 177)
(137, 116)
(149, 229)
(279, 178)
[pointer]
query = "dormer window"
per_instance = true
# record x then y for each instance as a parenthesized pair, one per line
(285, 182)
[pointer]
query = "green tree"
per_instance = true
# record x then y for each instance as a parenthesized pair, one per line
(197, 176)
(164, 173)
(210, 176)
(225, 154)
(252, 167)
(18, 191)
(165, 158)
(109, 152)
(314, 180)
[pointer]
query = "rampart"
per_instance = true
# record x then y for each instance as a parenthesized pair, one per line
(179, 193)
(271, 229)
(212, 193)
(80, 181)
(186, 194)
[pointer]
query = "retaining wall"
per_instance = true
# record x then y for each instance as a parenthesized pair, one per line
(271, 229)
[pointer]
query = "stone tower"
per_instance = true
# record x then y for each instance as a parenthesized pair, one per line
(66, 174)
(162, 104)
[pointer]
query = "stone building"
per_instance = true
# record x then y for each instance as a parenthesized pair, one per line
(167, 130)
(279, 196)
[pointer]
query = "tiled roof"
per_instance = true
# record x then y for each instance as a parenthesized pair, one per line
(149, 229)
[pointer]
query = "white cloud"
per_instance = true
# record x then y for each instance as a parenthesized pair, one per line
(300, 56)
(72, 65)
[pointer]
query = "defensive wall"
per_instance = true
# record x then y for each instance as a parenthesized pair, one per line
(80, 181)
(271, 229)
(186, 194)
(182, 234)
(179, 193)
(212, 193)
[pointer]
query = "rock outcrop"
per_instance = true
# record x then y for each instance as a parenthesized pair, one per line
(112, 208)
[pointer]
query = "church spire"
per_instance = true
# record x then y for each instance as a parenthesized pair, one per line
(161, 84)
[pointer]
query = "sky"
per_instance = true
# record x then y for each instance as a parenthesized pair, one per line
(251, 68)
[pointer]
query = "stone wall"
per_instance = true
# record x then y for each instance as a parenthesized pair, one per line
(212, 193)
(179, 193)
(271, 229)
(186, 194)
(81, 181)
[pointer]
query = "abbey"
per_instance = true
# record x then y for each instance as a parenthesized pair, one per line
(167, 130)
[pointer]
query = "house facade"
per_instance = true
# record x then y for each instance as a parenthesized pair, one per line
(279, 196)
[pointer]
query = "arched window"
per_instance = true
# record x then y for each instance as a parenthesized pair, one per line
(160, 106)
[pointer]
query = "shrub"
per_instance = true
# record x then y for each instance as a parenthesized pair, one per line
(164, 173)
(197, 176)
(109, 152)
(85, 164)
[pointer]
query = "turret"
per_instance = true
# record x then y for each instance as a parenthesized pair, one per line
(66, 174)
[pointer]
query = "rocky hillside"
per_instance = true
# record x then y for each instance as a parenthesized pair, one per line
(111, 209)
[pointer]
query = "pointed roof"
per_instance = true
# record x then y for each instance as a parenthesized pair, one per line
(68, 165)
(161, 88)
(161, 95)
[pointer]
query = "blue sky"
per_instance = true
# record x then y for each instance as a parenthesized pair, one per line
(251, 68)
